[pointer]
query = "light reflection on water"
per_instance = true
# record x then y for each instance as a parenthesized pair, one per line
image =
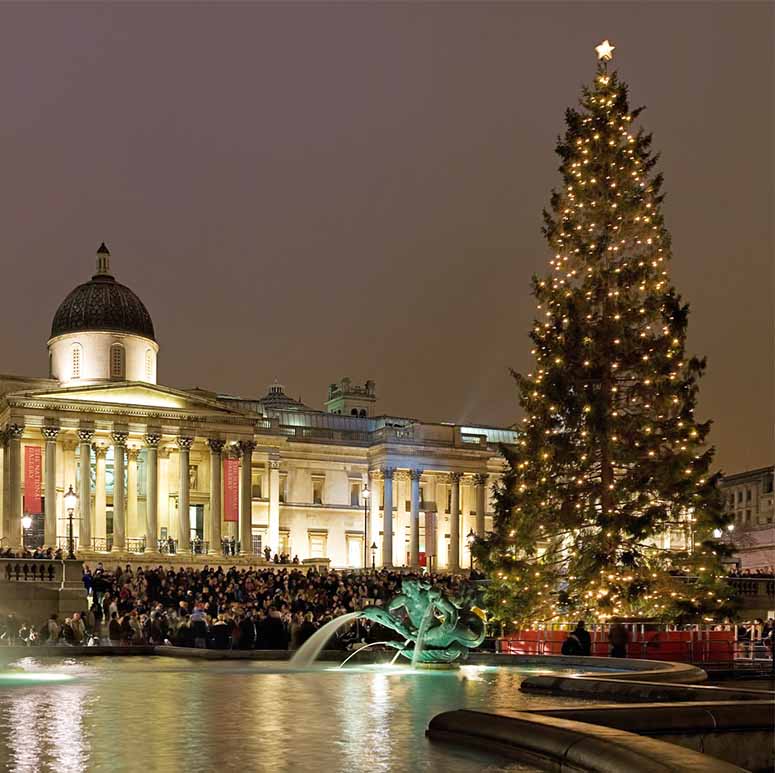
(166, 715)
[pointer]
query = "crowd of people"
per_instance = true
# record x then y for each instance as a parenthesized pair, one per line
(56, 554)
(252, 608)
(765, 573)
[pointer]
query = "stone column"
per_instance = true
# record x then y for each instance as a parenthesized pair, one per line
(50, 487)
(481, 502)
(4, 474)
(100, 523)
(273, 533)
(184, 520)
(414, 518)
(387, 518)
(372, 537)
(152, 492)
(216, 473)
(84, 489)
(246, 497)
(454, 524)
(119, 506)
(14, 449)
(133, 527)
(164, 490)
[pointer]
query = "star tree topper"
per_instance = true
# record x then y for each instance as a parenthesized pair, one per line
(605, 51)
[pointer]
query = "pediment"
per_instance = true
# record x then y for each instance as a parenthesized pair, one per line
(131, 394)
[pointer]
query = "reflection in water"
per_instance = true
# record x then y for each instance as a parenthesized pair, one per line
(168, 715)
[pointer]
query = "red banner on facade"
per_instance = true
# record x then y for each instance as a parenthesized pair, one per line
(33, 476)
(231, 490)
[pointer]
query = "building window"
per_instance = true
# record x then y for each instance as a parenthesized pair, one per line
(748, 516)
(148, 365)
(76, 362)
(317, 491)
(748, 495)
(768, 484)
(362, 414)
(355, 493)
(283, 486)
(739, 496)
(317, 544)
(256, 485)
(117, 361)
(285, 542)
(354, 412)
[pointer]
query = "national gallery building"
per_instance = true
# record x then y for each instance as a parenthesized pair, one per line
(162, 469)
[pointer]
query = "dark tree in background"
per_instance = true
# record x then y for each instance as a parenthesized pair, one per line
(608, 494)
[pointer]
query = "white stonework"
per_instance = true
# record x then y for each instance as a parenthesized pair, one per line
(308, 467)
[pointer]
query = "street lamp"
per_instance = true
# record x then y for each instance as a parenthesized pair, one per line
(373, 556)
(365, 494)
(26, 521)
(470, 539)
(71, 501)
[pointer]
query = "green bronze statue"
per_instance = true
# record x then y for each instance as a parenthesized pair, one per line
(445, 627)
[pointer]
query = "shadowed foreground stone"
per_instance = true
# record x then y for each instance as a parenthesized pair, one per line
(562, 744)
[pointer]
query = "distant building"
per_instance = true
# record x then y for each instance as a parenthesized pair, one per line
(148, 460)
(750, 500)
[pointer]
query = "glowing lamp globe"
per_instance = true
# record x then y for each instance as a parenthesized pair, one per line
(26, 521)
(70, 499)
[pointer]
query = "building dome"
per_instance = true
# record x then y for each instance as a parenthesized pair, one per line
(102, 304)
(102, 332)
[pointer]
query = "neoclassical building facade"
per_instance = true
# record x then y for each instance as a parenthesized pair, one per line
(158, 468)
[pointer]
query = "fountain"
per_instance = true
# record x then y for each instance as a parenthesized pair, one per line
(437, 629)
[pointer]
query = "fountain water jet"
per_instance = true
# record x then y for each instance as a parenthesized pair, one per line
(308, 652)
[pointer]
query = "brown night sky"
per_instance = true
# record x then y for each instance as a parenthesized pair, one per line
(312, 191)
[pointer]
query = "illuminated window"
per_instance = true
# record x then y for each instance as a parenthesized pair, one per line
(148, 365)
(116, 361)
(76, 364)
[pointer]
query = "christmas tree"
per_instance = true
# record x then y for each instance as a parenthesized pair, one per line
(607, 504)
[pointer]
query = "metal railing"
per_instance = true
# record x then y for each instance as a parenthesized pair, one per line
(102, 544)
(200, 547)
(134, 545)
(167, 546)
(64, 543)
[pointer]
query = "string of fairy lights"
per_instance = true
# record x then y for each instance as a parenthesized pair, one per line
(609, 350)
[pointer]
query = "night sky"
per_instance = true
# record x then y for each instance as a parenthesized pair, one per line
(309, 191)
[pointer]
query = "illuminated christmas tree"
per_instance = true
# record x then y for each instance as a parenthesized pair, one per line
(608, 495)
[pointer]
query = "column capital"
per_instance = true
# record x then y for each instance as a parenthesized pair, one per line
(119, 438)
(152, 439)
(216, 445)
(184, 442)
(85, 435)
(50, 432)
(387, 472)
(132, 453)
(455, 477)
(481, 478)
(164, 452)
(69, 443)
(375, 474)
(274, 464)
(99, 451)
(415, 473)
(14, 431)
(247, 446)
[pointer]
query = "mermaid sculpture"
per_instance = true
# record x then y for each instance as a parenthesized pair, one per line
(436, 627)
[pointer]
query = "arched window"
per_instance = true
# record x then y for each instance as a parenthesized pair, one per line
(148, 365)
(117, 361)
(354, 412)
(363, 413)
(75, 367)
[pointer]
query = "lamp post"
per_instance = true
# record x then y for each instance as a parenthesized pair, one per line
(470, 539)
(373, 556)
(71, 500)
(26, 524)
(365, 495)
